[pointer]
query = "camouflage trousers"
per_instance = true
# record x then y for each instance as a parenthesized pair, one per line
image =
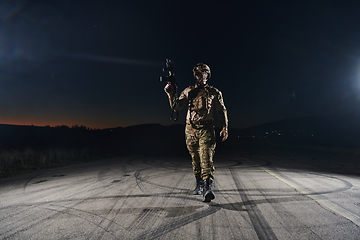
(201, 143)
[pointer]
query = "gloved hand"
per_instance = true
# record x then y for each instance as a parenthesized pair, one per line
(224, 133)
(169, 89)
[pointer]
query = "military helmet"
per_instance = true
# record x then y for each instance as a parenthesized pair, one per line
(202, 68)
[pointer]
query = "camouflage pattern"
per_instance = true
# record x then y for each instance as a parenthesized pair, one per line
(201, 100)
(200, 141)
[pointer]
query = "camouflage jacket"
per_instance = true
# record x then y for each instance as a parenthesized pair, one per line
(201, 102)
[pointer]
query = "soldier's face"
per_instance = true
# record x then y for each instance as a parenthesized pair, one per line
(200, 76)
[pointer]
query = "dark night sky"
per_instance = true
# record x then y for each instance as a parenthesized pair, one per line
(97, 63)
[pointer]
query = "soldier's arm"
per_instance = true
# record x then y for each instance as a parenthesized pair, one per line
(222, 113)
(182, 99)
(169, 90)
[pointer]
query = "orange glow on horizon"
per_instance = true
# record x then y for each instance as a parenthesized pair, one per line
(99, 125)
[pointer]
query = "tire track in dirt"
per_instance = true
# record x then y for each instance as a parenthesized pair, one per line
(224, 200)
(66, 210)
(151, 215)
(261, 226)
(167, 227)
(176, 210)
(295, 228)
(144, 179)
(347, 184)
(56, 213)
(106, 221)
(112, 210)
(148, 215)
(319, 197)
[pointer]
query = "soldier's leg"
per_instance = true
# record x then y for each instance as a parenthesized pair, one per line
(207, 144)
(192, 144)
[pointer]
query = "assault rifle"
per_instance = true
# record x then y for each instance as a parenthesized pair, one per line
(170, 78)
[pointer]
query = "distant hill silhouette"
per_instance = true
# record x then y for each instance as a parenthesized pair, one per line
(141, 139)
(341, 130)
(333, 130)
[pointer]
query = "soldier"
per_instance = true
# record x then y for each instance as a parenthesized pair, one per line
(199, 131)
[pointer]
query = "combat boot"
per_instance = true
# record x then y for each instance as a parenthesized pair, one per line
(208, 193)
(199, 185)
